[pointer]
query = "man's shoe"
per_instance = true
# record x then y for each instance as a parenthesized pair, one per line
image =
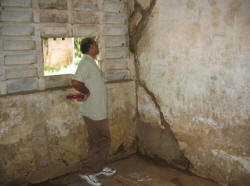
(106, 172)
(91, 179)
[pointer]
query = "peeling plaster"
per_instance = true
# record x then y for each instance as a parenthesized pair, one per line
(59, 127)
(208, 121)
(42, 128)
(243, 161)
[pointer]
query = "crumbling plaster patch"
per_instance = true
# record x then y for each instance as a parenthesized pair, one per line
(38, 127)
(44, 135)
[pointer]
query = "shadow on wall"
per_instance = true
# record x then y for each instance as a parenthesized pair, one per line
(160, 144)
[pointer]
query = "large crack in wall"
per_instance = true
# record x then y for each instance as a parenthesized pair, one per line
(137, 33)
(138, 22)
(164, 123)
(185, 90)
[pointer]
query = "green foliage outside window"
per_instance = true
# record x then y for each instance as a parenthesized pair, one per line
(49, 68)
(77, 42)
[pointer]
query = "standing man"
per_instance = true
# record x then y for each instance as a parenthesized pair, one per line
(93, 107)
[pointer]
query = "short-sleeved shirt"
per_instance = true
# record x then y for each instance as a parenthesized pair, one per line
(95, 107)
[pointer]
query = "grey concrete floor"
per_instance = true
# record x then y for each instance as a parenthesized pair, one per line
(137, 171)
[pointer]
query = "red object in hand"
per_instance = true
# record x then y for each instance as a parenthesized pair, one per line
(75, 96)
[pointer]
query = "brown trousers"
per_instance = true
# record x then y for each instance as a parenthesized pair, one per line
(99, 144)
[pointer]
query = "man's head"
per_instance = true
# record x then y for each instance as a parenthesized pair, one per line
(89, 46)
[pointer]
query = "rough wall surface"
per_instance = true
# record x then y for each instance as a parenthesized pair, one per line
(43, 136)
(23, 23)
(41, 133)
(193, 57)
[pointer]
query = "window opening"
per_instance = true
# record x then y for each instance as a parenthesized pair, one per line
(61, 55)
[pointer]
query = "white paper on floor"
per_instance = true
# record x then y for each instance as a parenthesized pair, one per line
(140, 178)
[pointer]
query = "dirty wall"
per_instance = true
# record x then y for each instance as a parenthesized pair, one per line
(192, 64)
(42, 135)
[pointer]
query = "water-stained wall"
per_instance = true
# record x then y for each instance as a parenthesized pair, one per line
(192, 85)
(192, 64)
(42, 135)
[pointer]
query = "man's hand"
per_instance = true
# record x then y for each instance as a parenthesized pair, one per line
(83, 99)
(80, 86)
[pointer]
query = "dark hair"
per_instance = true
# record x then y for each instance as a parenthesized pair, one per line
(85, 44)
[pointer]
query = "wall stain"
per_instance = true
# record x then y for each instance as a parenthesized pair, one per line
(175, 58)
(187, 53)
(200, 12)
(190, 4)
(202, 130)
(26, 116)
(215, 13)
(193, 32)
(212, 3)
(233, 9)
(4, 116)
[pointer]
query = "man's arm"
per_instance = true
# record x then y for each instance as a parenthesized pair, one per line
(81, 88)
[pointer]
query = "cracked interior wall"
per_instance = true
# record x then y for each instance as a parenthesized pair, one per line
(192, 68)
(149, 141)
